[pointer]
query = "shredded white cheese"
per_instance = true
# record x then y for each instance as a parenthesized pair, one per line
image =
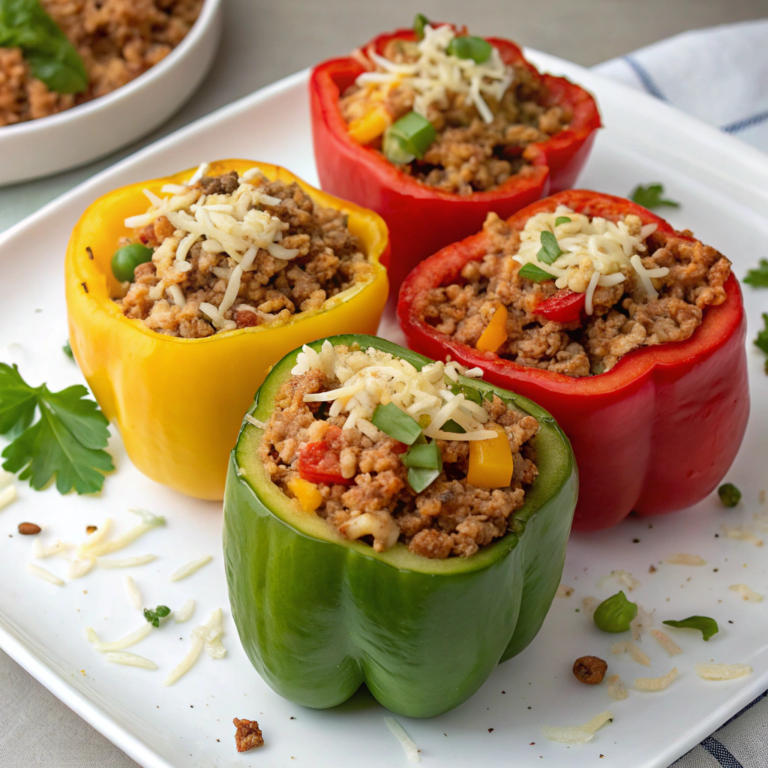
(133, 592)
(641, 623)
(189, 568)
(666, 642)
(683, 559)
(746, 593)
(130, 660)
(624, 578)
(616, 688)
(635, 653)
(594, 251)
(41, 551)
(577, 734)
(742, 534)
(255, 422)
(408, 744)
(95, 538)
(656, 683)
(435, 72)
(126, 562)
(210, 633)
(186, 663)
(148, 522)
(723, 671)
(185, 613)
(42, 573)
(80, 567)
(8, 495)
(372, 377)
(117, 645)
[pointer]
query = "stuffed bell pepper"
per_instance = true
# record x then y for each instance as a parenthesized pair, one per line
(392, 521)
(433, 128)
(631, 334)
(176, 311)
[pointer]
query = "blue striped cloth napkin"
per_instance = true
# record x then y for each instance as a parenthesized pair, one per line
(719, 75)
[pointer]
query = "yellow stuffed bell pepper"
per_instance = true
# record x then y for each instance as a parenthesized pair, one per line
(179, 402)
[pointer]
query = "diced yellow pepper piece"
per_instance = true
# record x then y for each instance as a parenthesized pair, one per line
(495, 333)
(309, 497)
(365, 129)
(490, 461)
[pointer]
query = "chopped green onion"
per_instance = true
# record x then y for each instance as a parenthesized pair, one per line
(729, 494)
(704, 624)
(550, 250)
(562, 220)
(420, 478)
(68, 350)
(537, 274)
(452, 426)
(426, 456)
(468, 392)
(474, 48)
(396, 423)
(407, 138)
(419, 22)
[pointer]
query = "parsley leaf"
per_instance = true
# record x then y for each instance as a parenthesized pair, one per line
(707, 626)
(153, 617)
(758, 277)
(67, 350)
(550, 250)
(67, 440)
(761, 341)
(650, 196)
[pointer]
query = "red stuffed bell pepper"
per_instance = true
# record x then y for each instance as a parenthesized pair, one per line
(657, 431)
(423, 216)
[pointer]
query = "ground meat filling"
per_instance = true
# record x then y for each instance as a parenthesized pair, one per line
(624, 317)
(328, 259)
(469, 154)
(118, 40)
(450, 518)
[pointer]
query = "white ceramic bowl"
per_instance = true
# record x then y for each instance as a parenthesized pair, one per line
(82, 134)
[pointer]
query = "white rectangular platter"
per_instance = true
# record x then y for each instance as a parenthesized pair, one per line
(721, 184)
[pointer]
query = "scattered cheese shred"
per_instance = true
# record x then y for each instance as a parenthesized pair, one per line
(186, 663)
(148, 522)
(641, 623)
(255, 422)
(41, 551)
(133, 592)
(8, 495)
(564, 591)
(42, 573)
(117, 645)
(95, 538)
(624, 578)
(80, 567)
(742, 534)
(577, 734)
(723, 671)
(656, 683)
(666, 642)
(616, 688)
(126, 562)
(185, 613)
(634, 652)
(682, 559)
(189, 568)
(746, 593)
(130, 660)
(210, 633)
(408, 744)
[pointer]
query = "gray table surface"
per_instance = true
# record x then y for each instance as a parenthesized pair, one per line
(262, 42)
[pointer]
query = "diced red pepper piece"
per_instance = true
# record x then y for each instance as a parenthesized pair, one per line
(319, 462)
(564, 307)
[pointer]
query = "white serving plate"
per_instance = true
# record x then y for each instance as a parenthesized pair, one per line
(89, 131)
(721, 183)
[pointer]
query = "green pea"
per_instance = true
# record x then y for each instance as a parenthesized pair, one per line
(126, 259)
(729, 494)
(615, 613)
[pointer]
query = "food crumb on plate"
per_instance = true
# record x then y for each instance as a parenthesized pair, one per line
(248, 734)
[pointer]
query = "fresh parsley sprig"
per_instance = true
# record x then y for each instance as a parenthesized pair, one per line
(650, 196)
(758, 278)
(762, 338)
(66, 441)
(153, 617)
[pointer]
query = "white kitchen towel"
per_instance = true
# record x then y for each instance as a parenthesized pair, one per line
(719, 75)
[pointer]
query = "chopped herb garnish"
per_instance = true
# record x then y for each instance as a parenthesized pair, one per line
(396, 423)
(708, 627)
(153, 617)
(68, 350)
(67, 440)
(550, 250)
(420, 478)
(758, 277)
(532, 272)
(452, 426)
(729, 494)
(650, 196)
(469, 393)
(424, 455)
(408, 138)
(562, 220)
(474, 48)
(419, 22)
(762, 338)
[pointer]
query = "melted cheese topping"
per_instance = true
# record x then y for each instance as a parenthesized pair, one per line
(595, 251)
(435, 72)
(370, 378)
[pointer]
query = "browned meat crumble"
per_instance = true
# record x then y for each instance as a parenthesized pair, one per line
(118, 40)
(330, 259)
(590, 670)
(449, 518)
(248, 734)
(624, 318)
(469, 155)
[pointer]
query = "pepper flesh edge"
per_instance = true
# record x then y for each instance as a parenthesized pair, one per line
(157, 388)
(386, 619)
(671, 417)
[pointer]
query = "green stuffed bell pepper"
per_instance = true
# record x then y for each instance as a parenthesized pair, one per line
(358, 551)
